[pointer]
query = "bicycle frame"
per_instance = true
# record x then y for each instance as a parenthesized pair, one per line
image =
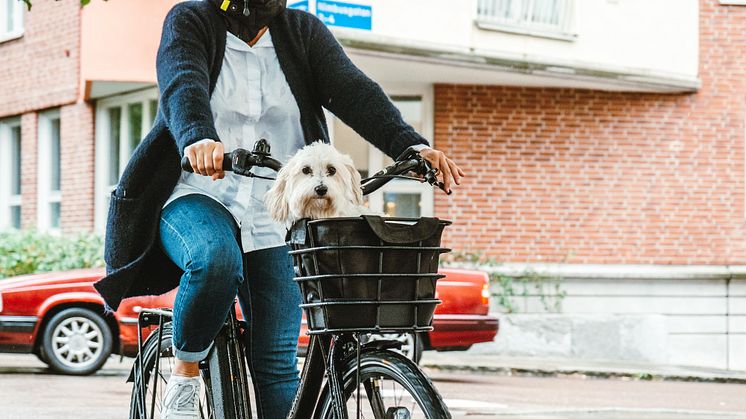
(225, 373)
(225, 369)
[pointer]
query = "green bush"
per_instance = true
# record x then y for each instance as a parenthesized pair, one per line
(28, 251)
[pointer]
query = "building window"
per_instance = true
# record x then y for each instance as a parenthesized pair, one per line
(399, 198)
(11, 19)
(49, 172)
(121, 123)
(10, 180)
(545, 18)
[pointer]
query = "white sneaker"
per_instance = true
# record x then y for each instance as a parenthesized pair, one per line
(182, 398)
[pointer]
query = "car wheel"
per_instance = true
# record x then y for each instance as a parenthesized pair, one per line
(76, 341)
(42, 355)
(408, 347)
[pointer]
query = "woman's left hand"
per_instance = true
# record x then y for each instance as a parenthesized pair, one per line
(439, 161)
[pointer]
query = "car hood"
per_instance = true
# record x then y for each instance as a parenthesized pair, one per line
(52, 278)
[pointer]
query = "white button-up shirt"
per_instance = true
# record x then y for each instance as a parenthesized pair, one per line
(252, 100)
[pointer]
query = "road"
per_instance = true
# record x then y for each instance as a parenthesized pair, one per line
(29, 390)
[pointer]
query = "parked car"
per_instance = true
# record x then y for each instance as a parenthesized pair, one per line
(59, 317)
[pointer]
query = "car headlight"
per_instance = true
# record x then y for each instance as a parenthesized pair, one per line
(1, 302)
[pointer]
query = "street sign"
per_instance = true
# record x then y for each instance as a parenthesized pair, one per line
(339, 14)
(346, 15)
(300, 5)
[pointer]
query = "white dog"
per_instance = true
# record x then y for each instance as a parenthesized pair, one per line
(317, 182)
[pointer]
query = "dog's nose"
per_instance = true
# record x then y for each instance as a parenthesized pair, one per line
(321, 190)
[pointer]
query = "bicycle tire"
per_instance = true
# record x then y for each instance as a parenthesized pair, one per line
(148, 361)
(384, 363)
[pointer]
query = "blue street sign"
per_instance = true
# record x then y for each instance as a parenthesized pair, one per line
(300, 5)
(346, 15)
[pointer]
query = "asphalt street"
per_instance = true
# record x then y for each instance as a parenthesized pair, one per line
(29, 390)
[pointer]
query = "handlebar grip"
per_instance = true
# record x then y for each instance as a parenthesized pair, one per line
(227, 163)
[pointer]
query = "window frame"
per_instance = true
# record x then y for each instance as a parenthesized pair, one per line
(45, 195)
(376, 157)
(564, 32)
(18, 20)
(6, 173)
(102, 187)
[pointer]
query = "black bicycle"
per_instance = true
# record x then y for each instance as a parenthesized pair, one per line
(358, 276)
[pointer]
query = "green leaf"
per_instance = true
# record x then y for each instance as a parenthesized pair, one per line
(25, 252)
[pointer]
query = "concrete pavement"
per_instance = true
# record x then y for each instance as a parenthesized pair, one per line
(507, 365)
(29, 390)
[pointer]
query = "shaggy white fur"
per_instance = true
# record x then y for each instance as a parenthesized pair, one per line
(317, 182)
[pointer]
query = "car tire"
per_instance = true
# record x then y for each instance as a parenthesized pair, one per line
(76, 341)
(416, 356)
(42, 355)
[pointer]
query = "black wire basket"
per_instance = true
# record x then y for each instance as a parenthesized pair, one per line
(368, 274)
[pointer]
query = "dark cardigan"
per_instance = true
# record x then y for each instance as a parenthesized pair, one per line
(188, 64)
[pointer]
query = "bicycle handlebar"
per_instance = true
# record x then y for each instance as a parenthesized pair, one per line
(241, 162)
(409, 161)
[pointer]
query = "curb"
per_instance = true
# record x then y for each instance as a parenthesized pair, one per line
(587, 373)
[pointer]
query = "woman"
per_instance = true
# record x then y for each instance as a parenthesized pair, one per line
(230, 73)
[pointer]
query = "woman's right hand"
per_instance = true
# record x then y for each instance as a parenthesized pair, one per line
(206, 158)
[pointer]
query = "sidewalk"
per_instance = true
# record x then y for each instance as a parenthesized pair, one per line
(526, 366)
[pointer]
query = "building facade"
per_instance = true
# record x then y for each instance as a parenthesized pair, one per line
(603, 143)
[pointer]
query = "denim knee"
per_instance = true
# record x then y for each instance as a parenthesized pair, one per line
(217, 265)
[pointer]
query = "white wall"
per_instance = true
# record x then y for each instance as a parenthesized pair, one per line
(676, 315)
(649, 38)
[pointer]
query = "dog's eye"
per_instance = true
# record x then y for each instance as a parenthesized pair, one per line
(331, 170)
(307, 170)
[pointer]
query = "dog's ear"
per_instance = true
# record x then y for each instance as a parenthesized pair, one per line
(354, 187)
(275, 199)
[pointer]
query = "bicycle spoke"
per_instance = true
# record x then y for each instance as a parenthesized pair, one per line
(383, 394)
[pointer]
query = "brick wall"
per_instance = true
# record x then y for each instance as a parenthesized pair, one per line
(78, 167)
(44, 74)
(562, 175)
(44, 63)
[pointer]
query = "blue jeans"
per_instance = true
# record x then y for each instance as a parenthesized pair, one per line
(201, 237)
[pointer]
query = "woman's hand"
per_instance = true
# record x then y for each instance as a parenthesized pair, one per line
(450, 171)
(206, 158)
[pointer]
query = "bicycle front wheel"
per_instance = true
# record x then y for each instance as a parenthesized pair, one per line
(148, 391)
(392, 387)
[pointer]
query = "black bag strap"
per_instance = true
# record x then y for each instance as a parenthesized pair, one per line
(393, 232)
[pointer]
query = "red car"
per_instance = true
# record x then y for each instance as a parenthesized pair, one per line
(59, 317)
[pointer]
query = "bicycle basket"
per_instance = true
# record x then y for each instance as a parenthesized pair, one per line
(368, 274)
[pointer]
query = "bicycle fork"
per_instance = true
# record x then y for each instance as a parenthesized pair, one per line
(325, 355)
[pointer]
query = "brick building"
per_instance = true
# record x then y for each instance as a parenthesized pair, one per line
(604, 143)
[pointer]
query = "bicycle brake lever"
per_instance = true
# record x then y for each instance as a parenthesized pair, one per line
(432, 178)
